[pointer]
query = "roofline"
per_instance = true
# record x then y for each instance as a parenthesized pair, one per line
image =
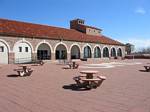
(14, 35)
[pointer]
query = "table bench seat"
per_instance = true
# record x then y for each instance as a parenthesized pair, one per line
(96, 79)
(147, 68)
(22, 72)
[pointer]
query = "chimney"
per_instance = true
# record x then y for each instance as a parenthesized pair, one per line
(74, 23)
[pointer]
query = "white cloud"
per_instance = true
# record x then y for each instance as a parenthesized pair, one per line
(138, 42)
(140, 11)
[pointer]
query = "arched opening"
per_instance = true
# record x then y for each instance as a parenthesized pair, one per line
(43, 52)
(105, 52)
(119, 52)
(61, 52)
(3, 53)
(75, 52)
(87, 52)
(22, 52)
(97, 52)
(113, 52)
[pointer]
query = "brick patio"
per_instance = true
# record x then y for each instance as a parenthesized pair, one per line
(125, 90)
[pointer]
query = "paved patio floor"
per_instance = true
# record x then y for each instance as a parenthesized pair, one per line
(127, 89)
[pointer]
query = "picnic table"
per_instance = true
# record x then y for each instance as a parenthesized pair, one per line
(73, 65)
(89, 73)
(24, 70)
(147, 68)
(88, 80)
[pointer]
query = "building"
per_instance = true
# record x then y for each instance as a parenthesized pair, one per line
(22, 42)
(129, 48)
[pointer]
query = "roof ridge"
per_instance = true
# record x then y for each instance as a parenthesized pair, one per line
(17, 28)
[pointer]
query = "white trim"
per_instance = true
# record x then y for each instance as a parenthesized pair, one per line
(85, 46)
(43, 42)
(103, 49)
(74, 44)
(60, 44)
(7, 45)
(121, 51)
(112, 48)
(23, 41)
(95, 47)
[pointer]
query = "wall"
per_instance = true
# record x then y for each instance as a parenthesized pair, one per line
(91, 31)
(35, 42)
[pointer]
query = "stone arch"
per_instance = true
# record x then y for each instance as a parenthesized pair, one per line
(61, 51)
(23, 41)
(119, 52)
(22, 51)
(43, 51)
(42, 43)
(74, 45)
(75, 51)
(97, 51)
(105, 51)
(8, 47)
(87, 51)
(59, 44)
(4, 50)
(113, 52)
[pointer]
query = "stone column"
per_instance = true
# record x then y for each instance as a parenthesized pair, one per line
(34, 56)
(52, 56)
(92, 56)
(68, 56)
(11, 57)
(81, 55)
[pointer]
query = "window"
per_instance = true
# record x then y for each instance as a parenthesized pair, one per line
(26, 49)
(1, 48)
(20, 49)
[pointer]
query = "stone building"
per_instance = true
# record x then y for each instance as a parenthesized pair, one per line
(22, 42)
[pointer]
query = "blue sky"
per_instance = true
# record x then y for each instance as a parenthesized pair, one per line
(123, 20)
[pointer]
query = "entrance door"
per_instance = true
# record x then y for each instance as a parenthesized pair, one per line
(42, 54)
(61, 54)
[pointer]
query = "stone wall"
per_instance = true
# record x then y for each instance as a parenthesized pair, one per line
(35, 42)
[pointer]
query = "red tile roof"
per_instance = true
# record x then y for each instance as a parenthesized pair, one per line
(16, 28)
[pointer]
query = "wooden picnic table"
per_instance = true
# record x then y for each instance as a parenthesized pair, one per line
(89, 73)
(24, 67)
(73, 65)
(87, 80)
(147, 68)
(24, 70)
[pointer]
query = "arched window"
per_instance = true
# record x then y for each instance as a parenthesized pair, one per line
(105, 52)
(87, 52)
(113, 52)
(119, 52)
(97, 52)
(43, 52)
(61, 52)
(75, 52)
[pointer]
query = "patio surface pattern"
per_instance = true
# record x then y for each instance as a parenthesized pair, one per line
(48, 89)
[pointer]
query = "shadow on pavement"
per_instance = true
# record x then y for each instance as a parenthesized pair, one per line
(13, 75)
(143, 71)
(74, 87)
